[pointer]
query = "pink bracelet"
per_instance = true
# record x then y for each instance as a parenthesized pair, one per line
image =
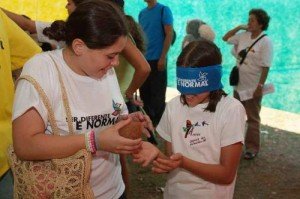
(90, 142)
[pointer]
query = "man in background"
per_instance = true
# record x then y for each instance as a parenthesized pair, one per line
(156, 21)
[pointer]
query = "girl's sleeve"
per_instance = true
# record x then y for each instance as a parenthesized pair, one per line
(233, 127)
(164, 126)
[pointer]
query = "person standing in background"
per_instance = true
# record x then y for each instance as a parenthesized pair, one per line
(197, 29)
(16, 47)
(125, 70)
(157, 23)
(253, 72)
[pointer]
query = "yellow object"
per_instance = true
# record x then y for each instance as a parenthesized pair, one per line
(16, 47)
(40, 10)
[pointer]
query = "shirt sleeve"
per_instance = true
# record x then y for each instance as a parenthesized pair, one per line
(167, 18)
(21, 45)
(267, 53)
(26, 96)
(234, 39)
(234, 124)
(164, 126)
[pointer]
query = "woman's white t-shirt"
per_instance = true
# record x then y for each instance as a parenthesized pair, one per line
(199, 135)
(94, 104)
(260, 55)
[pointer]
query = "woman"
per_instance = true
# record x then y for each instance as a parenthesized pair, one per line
(253, 72)
(93, 44)
(203, 130)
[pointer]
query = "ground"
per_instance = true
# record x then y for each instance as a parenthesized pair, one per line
(275, 173)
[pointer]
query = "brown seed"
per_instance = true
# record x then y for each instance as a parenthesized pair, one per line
(133, 130)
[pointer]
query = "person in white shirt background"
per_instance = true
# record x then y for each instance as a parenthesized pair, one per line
(253, 72)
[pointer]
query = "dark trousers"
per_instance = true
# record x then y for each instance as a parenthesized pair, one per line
(153, 92)
(252, 107)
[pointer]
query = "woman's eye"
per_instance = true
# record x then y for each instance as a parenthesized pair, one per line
(111, 56)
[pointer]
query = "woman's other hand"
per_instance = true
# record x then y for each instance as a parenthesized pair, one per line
(145, 119)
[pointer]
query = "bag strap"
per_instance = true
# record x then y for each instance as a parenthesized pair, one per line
(64, 98)
(45, 100)
(243, 59)
(161, 18)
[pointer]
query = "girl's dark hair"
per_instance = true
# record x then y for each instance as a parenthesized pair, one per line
(262, 17)
(202, 53)
(97, 23)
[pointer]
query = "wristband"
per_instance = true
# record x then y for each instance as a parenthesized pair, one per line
(97, 141)
(90, 143)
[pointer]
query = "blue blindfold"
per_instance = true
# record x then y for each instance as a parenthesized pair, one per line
(199, 80)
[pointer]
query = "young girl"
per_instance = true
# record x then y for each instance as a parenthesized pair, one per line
(203, 130)
(95, 34)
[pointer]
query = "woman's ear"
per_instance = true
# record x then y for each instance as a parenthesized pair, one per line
(79, 47)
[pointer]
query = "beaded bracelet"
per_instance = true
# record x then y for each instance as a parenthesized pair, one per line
(90, 143)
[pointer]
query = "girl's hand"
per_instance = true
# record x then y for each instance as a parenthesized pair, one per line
(161, 165)
(110, 140)
(146, 154)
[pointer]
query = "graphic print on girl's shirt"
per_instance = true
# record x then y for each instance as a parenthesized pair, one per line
(193, 133)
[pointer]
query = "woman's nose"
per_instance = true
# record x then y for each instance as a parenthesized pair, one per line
(115, 61)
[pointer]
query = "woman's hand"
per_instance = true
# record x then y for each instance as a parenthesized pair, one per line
(146, 154)
(137, 102)
(258, 91)
(110, 140)
(145, 119)
(161, 165)
(243, 27)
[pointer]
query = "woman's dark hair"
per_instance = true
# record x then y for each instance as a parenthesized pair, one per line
(202, 53)
(262, 17)
(97, 23)
(77, 2)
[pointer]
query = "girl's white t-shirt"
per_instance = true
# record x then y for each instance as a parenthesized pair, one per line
(199, 135)
(94, 104)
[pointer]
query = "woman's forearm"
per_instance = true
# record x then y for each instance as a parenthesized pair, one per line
(140, 65)
(232, 32)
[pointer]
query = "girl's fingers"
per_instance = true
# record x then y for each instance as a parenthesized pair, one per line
(165, 167)
(158, 170)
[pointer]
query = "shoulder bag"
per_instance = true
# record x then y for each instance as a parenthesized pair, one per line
(56, 178)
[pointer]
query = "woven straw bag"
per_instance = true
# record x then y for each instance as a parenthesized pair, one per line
(56, 178)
